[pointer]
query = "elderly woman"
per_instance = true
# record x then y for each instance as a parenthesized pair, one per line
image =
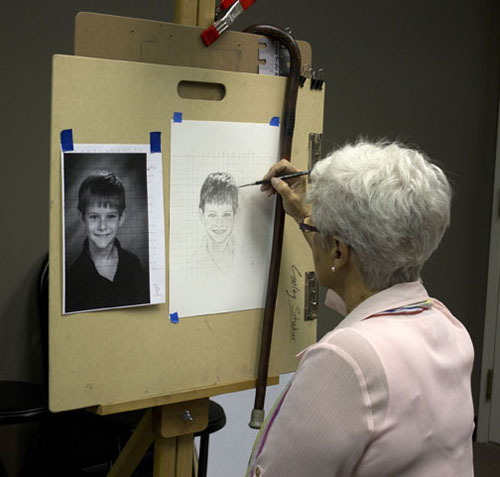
(387, 392)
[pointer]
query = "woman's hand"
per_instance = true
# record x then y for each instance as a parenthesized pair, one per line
(292, 191)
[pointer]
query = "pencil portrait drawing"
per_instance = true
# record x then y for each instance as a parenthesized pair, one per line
(217, 207)
(220, 235)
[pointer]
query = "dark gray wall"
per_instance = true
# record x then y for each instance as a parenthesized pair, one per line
(426, 73)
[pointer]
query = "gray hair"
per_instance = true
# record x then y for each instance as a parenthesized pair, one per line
(389, 203)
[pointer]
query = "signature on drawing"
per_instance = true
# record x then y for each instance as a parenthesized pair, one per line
(293, 306)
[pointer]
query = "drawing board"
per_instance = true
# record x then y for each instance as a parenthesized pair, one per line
(133, 354)
(135, 39)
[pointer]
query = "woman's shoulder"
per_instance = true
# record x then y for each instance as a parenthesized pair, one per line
(352, 345)
(351, 356)
(357, 350)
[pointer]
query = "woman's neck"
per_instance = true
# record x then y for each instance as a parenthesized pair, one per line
(354, 289)
(356, 296)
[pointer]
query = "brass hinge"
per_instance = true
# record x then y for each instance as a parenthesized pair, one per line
(311, 297)
(489, 384)
(315, 140)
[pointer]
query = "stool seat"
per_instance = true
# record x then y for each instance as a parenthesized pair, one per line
(22, 402)
(216, 419)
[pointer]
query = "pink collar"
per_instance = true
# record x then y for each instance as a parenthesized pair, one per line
(398, 297)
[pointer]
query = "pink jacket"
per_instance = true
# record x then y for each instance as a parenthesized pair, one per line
(386, 393)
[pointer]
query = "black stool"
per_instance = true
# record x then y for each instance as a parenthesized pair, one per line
(22, 402)
(216, 421)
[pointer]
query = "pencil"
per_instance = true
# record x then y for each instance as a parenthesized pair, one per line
(286, 176)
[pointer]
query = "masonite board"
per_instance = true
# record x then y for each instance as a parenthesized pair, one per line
(134, 39)
(125, 355)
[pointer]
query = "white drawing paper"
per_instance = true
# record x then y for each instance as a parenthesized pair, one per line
(113, 227)
(219, 250)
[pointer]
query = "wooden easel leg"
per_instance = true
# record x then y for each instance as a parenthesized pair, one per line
(196, 462)
(165, 457)
(174, 456)
(184, 463)
(135, 448)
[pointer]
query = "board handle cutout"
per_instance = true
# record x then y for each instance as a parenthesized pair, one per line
(201, 90)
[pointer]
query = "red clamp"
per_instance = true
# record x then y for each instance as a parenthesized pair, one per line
(227, 11)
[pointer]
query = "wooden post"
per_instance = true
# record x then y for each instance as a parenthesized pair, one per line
(206, 10)
(194, 12)
(174, 425)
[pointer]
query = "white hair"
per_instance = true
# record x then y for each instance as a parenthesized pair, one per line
(390, 204)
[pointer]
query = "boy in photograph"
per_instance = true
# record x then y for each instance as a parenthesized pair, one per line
(104, 275)
(218, 206)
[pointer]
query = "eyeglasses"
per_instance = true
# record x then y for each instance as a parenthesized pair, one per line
(306, 227)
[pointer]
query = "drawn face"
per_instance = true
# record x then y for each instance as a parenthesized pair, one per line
(101, 225)
(218, 220)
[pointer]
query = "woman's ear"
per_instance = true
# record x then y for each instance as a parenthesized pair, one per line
(340, 253)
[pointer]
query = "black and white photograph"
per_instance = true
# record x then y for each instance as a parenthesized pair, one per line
(106, 246)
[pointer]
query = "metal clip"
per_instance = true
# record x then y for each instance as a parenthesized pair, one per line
(305, 72)
(311, 297)
(317, 79)
(223, 23)
(186, 416)
(315, 141)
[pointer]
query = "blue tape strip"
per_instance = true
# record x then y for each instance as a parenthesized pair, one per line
(155, 141)
(177, 117)
(275, 121)
(67, 140)
(174, 318)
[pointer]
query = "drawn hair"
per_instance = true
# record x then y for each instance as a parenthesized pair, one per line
(219, 188)
(104, 189)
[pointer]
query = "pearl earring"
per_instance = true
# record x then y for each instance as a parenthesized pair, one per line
(333, 269)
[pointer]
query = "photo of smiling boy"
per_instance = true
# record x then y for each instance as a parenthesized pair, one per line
(104, 275)
(218, 206)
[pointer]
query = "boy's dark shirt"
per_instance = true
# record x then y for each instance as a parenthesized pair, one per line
(87, 290)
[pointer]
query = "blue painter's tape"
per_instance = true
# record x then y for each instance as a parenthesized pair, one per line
(67, 140)
(155, 141)
(174, 317)
(177, 117)
(275, 121)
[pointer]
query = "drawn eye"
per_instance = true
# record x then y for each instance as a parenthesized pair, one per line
(93, 217)
(112, 216)
(227, 215)
(211, 215)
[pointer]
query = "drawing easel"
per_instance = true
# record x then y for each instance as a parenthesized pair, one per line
(129, 359)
